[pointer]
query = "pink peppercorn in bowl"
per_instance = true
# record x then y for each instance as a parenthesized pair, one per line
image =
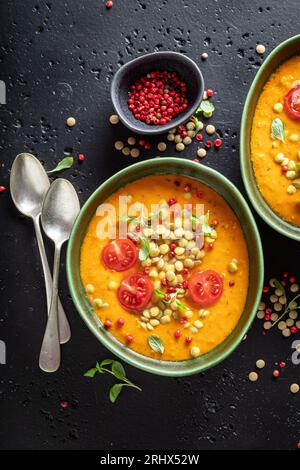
(157, 92)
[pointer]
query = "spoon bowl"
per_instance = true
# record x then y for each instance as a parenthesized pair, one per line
(29, 184)
(60, 209)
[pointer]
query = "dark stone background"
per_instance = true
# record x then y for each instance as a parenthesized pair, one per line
(57, 59)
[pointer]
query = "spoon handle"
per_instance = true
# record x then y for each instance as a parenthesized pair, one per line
(50, 351)
(64, 327)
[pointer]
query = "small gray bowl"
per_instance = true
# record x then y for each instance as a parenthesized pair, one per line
(186, 68)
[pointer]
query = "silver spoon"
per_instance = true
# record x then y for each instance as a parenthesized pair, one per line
(59, 212)
(28, 185)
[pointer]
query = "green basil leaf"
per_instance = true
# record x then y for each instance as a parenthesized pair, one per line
(144, 249)
(126, 218)
(64, 164)
(91, 373)
(115, 392)
(180, 305)
(156, 344)
(105, 362)
(279, 286)
(118, 370)
(206, 106)
(197, 124)
(159, 293)
(278, 129)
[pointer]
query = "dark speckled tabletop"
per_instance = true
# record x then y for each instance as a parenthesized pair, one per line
(57, 60)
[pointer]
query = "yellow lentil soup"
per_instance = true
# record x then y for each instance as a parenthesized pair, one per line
(174, 290)
(275, 141)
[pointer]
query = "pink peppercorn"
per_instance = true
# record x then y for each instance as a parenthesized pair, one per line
(81, 157)
(177, 334)
(209, 92)
(292, 279)
(276, 373)
(2, 189)
(188, 339)
(172, 201)
(107, 324)
(171, 289)
(294, 330)
(120, 322)
(173, 245)
(285, 274)
(218, 143)
(109, 4)
(64, 404)
(214, 222)
(199, 136)
(129, 339)
(267, 317)
(282, 364)
(200, 195)
(231, 283)
(187, 188)
(208, 144)
(265, 290)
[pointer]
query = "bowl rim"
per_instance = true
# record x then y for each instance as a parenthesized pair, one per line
(270, 217)
(160, 366)
(155, 130)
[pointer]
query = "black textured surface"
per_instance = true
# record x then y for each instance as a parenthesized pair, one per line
(58, 59)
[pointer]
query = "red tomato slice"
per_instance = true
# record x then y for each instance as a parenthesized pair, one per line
(205, 288)
(135, 291)
(119, 255)
(292, 103)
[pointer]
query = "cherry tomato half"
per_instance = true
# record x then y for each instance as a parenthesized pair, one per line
(135, 291)
(119, 254)
(206, 287)
(292, 103)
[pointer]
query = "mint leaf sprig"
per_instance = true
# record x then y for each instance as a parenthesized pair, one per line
(118, 371)
(64, 164)
(287, 304)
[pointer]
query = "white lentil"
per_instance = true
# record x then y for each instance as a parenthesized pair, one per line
(210, 129)
(294, 388)
(114, 119)
(260, 49)
(286, 332)
(162, 146)
(195, 351)
(253, 376)
(260, 363)
(89, 289)
(71, 122)
(126, 151)
(260, 314)
(282, 325)
(131, 140)
(135, 152)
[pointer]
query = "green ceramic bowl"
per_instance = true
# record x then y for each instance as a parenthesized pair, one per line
(280, 54)
(215, 180)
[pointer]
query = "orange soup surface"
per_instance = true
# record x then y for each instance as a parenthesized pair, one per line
(175, 286)
(275, 141)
